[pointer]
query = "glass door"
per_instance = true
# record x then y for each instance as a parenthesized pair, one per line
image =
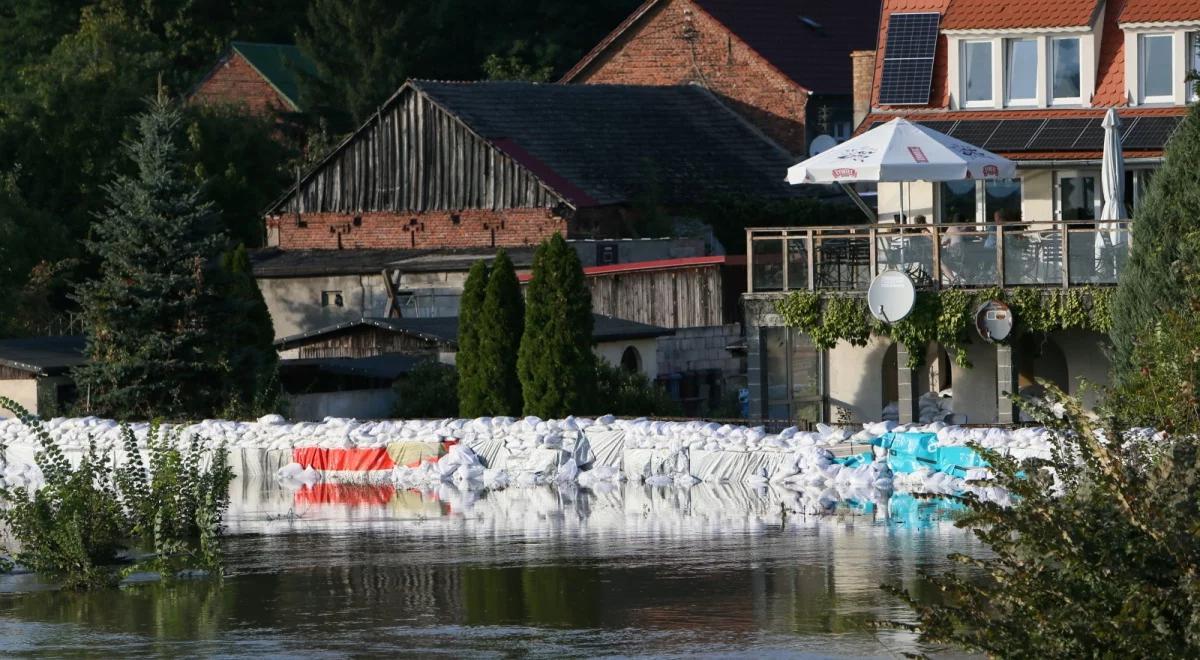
(1077, 195)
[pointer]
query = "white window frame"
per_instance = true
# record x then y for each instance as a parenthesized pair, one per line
(990, 102)
(1192, 64)
(1169, 98)
(1053, 64)
(1031, 101)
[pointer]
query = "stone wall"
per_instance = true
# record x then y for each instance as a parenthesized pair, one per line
(702, 349)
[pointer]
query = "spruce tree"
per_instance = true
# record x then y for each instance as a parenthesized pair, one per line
(556, 365)
(154, 316)
(470, 390)
(1149, 285)
(501, 322)
(250, 335)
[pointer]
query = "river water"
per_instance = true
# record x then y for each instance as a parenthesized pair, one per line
(337, 571)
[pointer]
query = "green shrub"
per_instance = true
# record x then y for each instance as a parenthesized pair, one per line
(78, 525)
(429, 392)
(630, 394)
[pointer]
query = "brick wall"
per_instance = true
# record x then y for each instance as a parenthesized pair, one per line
(435, 229)
(679, 43)
(235, 82)
(864, 77)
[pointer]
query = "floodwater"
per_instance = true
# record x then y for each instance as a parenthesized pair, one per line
(337, 571)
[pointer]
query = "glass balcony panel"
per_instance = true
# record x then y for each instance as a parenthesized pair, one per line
(910, 252)
(797, 256)
(768, 264)
(1097, 256)
(1032, 257)
(842, 262)
(968, 257)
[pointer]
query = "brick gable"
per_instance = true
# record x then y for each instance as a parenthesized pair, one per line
(433, 229)
(677, 42)
(235, 82)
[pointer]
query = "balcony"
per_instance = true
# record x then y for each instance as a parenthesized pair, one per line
(974, 256)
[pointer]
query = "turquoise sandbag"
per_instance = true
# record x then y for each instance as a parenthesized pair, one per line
(855, 460)
(957, 460)
(909, 452)
(904, 509)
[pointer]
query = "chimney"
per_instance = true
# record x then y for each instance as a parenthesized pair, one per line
(863, 72)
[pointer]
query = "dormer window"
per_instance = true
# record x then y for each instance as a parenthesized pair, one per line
(977, 74)
(1022, 74)
(1157, 70)
(1065, 86)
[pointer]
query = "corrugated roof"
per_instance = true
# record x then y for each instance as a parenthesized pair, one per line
(1018, 14)
(610, 142)
(279, 64)
(273, 262)
(444, 330)
(1160, 11)
(42, 356)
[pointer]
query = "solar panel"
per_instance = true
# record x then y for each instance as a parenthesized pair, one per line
(1150, 132)
(1059, 134)
(939, 126)
(1013, 135)
(908, 59)
(1091, 138)
(974, 131)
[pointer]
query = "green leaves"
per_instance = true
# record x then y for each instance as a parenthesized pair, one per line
(77, 526)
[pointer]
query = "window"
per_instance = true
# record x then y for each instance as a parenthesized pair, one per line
(1065, 55)
(958, 202)
(332, 299)
(1021, 88)
(973, 202)
(1193, 58)
(1156, 68)
(1002, 196)
(977, 73)
(631, 360)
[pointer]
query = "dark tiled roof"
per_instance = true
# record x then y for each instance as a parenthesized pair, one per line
(808, 41)
(439, 261)
(384, 367)
(444, 330)
(603, 144)
(272, 262)
(42, 356)
(279, 64)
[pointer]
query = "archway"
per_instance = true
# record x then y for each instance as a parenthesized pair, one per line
(631, 360)
(1038, 357)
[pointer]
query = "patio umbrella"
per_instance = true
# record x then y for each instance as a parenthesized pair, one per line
(1112, 181)
(901, 151)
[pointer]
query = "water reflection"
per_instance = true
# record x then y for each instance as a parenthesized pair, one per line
(634, 570)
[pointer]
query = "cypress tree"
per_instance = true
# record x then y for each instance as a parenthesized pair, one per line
(556, 365)
(501, 322)
(253, 361)
(470, 390)
(154, 315)
(1149, 285)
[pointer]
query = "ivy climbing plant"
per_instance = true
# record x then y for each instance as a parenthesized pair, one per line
(945, 317)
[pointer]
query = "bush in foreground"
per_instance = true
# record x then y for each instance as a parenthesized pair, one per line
(82, 521)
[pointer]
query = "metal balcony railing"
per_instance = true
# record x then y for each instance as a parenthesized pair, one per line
(970, 256)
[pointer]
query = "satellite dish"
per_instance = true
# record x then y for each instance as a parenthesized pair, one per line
(821, 143)
(994, 321)
(891, 296)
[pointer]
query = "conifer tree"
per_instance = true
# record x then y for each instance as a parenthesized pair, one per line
(1149, 285)
(556, 365)
(253, 361)
(501, 322)
(154, 316)
(470, 389)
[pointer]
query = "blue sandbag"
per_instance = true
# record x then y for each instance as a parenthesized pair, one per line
(909, 452)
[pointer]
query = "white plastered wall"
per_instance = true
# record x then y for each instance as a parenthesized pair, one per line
(974, 387)
(295, 303)
(1087, 361)
(647, 350)
(855, 376)
(24, 391)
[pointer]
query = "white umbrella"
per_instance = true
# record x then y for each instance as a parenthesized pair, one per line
(902, 151)
(1112, 179)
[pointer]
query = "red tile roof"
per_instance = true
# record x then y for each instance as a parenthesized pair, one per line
(1016, 14)
(1110, 69)
(813, 54)
(1160, 11)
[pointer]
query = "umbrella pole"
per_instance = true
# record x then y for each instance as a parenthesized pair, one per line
(858, 201)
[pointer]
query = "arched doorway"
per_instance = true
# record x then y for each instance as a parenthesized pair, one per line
(631, 360)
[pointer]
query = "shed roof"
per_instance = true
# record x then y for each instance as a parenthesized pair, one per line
(279, 64)
(444, 330)
(602, 144)
(42, 356)
(276, 263)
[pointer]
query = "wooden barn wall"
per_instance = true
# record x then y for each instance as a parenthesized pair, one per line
(680, 298)
(367, 342)
(10, 373)
(414, 157)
